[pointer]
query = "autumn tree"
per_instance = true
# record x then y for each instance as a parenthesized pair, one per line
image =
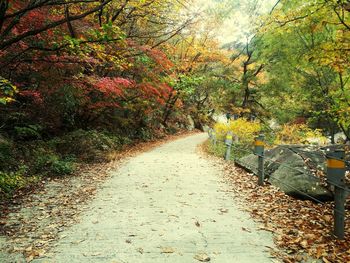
(97, 60)
(307, 51)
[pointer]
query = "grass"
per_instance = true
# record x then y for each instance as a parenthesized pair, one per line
(238, 150)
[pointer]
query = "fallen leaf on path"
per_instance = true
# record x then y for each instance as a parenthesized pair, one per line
(29, 249)
(202, 257)
(246, 229)
(77, 241)
(167, 250)
(223, 210)
(94, 254)
(301, 228)
(304, 244)
(266, 229)
(29, 258)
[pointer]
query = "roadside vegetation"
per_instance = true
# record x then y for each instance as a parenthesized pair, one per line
(79, 81)
(245, 131)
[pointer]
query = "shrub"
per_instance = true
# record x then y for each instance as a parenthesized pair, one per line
(50, 163)
(299, 134)
(7, 91)
(29, 132)
(7, 156)
(145, 134)
(11, 181)
(244, 129)
(87, 145)
(246, 132)
(62, 167)
(41, 159)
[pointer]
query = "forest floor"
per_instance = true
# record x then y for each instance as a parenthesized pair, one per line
(169, 204)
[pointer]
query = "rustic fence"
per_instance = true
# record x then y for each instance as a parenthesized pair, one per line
(335, 173)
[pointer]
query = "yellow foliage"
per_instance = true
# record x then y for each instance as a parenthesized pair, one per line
(7, 91)
(244, 129)
(299, 134)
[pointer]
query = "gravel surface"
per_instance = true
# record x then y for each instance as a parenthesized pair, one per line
(169, 204)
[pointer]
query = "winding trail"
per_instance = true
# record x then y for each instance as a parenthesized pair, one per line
(166, 205)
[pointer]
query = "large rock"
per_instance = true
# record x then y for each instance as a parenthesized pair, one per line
(295, 169)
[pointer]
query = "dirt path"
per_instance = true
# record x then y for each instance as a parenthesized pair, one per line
(165, 205)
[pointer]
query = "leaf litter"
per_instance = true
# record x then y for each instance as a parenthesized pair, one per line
(32, 221)
(302, 229)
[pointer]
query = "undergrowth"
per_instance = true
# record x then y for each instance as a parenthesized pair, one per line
(24, 162)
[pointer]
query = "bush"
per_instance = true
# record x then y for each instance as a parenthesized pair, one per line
(7, 156)
(217, 150)
(299, 134)
(11, 181)
(145, 134)
(246, 132)
(62, 167)
(29, 132)
(244, 129)
(50, 163)
(88, 145)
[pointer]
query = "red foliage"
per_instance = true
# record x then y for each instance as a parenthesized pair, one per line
(149, 90)
(159, 57)
(33, 19)
(158, 92)
(166, 90)
(103, 104)
(51, 63)
(32, 96)
(113, 86)
(299, 120)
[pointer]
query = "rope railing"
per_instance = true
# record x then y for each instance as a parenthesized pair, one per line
(302, 171)
(335, 172)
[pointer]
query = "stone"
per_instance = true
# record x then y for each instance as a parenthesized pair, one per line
(292, 168)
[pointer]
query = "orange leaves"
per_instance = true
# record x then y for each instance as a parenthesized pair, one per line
(32, 96)
(149, 89)
(113, 86)
(105, 92)
(195, 54)
(302, 229)
(161, 60)
(156, 93)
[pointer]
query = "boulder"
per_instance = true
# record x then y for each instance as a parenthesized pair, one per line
(298, 170)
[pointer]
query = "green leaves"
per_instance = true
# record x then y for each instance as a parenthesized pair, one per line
(108, 32)
(188, 83)
(306, 58)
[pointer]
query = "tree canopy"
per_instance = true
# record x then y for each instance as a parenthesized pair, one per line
(139, 64)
